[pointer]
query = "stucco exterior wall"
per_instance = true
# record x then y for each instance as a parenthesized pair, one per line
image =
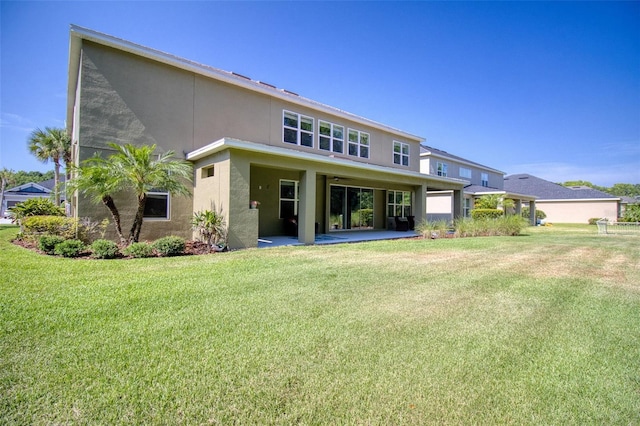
(429, 165)
(578, 211)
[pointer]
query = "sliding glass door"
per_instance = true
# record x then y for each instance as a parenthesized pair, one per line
(351, 208)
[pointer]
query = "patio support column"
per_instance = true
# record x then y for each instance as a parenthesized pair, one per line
(307, 207)
(532, 212)
(457, 202)
(420, 203)
(518, 207)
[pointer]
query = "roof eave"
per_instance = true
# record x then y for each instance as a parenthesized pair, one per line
(81, 33)
(229, 143)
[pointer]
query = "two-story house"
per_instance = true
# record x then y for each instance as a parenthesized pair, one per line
(479, 180)
(327, 169)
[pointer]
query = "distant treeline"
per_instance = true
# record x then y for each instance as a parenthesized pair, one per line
(21, 177)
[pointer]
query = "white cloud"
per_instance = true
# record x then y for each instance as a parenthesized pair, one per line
(16, 122)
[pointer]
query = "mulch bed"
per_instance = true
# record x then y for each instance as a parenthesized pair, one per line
(192, 248)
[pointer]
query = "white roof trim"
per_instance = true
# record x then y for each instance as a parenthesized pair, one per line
(28, 185)
(79, 34)
(551, 200)
(460, 161)
(227, 143)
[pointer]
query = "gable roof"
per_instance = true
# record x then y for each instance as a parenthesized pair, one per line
(546, 190)
(428, 150)
(80, 34)
(29, 188)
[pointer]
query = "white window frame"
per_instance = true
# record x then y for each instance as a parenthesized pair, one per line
(406, 200)
(298, 128)
(296, 199)
(465, 173)
(359, 143)
(168, 212)
(332, 137)
(401, 153)
(441, 169)
(484, 179)
(466, 209)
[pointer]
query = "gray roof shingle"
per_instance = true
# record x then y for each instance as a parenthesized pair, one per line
(545, 190)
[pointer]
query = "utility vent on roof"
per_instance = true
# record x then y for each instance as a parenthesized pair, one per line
(290, 92)
(267, 84)
(240, 75)
(524, 177)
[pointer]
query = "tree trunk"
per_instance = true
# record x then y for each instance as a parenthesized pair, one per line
(56, 182)
(4, 186)
(134, 233)
(115, 214)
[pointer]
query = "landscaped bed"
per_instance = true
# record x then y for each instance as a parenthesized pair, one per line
(535, 329)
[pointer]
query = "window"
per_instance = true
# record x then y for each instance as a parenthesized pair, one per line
(288, 198)
(331, 137)
(484, 179)
(400, 153)
(467, 207)
(465, 173)
(441, 169)
(358, 143)
(208, 171)
(398, 203)
(157, 205)
(297, 129)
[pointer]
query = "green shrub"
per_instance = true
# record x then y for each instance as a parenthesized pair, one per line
(511, 225)
(69, 248)
(508, 225)
(138, 250)
(594, 220)
(432, 229)
(53, 225)
(631, 213)
(169, 246)
(486, 213)
(539, 213)
(36, 207)
(104, 249)
(47, 243)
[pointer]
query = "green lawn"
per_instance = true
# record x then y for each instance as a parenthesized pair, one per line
(537, 329)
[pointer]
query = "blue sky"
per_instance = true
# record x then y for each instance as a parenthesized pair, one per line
(546, 88)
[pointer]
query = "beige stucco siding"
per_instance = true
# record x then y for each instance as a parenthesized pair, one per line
(578, 211)
(126, 98)
(129, 99)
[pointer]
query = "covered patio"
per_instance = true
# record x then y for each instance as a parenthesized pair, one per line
(337, 238)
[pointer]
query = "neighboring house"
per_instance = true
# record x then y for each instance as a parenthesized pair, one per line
(479, 180)
(563, 204)
(18, 194)
(309, 165)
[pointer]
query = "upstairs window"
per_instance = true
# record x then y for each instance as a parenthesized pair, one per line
(297, 129)
(441, 169)
(331, 137)
(484, 179)
(400, 153)
(358, 143)
(465, 173)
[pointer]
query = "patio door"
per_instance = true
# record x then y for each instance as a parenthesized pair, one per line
(351, 208)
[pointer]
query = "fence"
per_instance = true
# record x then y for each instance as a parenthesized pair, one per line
(621, 228)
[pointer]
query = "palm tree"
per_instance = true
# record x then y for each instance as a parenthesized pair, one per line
(94, 178)
(137, 168)
(51, 144)
(6, 178)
